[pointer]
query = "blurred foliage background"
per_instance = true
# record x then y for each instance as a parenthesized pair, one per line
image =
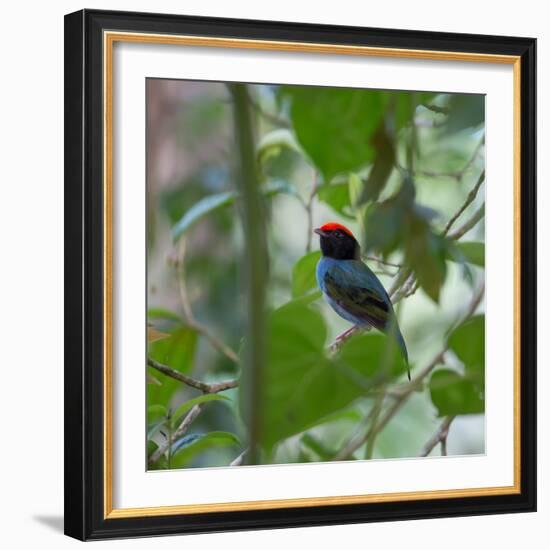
(405, 172)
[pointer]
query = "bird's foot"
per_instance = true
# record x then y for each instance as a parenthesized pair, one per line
(341, 338)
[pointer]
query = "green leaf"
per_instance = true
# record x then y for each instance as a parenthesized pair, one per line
(180, 412)
(188, 447)
(156, 411)
(153, 428)
(473, 252)
(276, 187)
(200, 209)
(334, 126)
(317, 446)
(382, 167)
(468, 343)
(162, 313)
(371, 358)
(386, 222)
(273, 142)
(177, 351)
(303, 386)
(337, 196)
(465, 111)
(303, 274)
(425, 252)
(453, 394)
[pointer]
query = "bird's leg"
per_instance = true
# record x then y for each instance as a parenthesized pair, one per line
(341, 338)
(347, 333)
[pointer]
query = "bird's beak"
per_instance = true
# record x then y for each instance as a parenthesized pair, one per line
(319, 231)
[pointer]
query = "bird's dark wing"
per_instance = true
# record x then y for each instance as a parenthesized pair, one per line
(360, 293)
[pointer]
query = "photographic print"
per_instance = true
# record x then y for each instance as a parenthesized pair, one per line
(300, 274)
(373, 204)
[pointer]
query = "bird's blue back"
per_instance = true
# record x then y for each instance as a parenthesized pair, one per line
(350, 273)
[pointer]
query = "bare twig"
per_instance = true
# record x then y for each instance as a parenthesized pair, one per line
(239, 460)
(371, 436)
(469, 199)
(205, 387)
(400, 399)
(309, 210)
(181, 429)
(437, 109)
(470, 224)
(188, 312)
(440, 436)
(459, 175)
(270, 117)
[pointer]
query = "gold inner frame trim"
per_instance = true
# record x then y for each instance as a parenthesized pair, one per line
(109, 39)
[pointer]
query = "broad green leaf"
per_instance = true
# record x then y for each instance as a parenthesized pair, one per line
(153, 428)
(468, 343)
(465, 111)
(370, 358)
(473, 252)
(156, 411)
(317, 446)
(276, 187)
(154, 334)
(162, 313)
(454, 394)
(303, 386)
(200, 209)
(386, 223)
(355, 187)
(188, 447)
(177, 351)
(152, 380)
(426, 252)
(335, 126)
(273, 142)
(337, 196)
(303, 274)
(382, 166)
(182, 410)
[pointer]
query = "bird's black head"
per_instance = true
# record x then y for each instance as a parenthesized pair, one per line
(338, 242)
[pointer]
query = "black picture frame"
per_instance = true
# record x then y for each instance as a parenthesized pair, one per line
(84, 283)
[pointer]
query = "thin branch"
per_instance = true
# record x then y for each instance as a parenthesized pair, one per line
(358, 442)
(399, 400)
(436, 108)
(459, 175)
(270, 117)
(309, 210)
(440, 436)
(188, 312)
(469, 199)
(371, 437)
(205, 387)
(381, 261)
(405, 284)
(181, 429)
(239, 460)
(470, 224)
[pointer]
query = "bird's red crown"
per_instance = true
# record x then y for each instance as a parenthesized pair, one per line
(332, 226)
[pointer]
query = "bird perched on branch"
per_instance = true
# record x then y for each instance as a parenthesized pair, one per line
(351, 288)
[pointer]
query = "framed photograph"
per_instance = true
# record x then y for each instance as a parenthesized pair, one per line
(300, 274)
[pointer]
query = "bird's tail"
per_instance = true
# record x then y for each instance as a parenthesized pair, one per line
(403, 346)
(396, 333)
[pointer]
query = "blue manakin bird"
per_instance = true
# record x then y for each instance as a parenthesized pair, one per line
(351, 288)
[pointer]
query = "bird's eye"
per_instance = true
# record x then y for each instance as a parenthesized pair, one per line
(339, 234)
